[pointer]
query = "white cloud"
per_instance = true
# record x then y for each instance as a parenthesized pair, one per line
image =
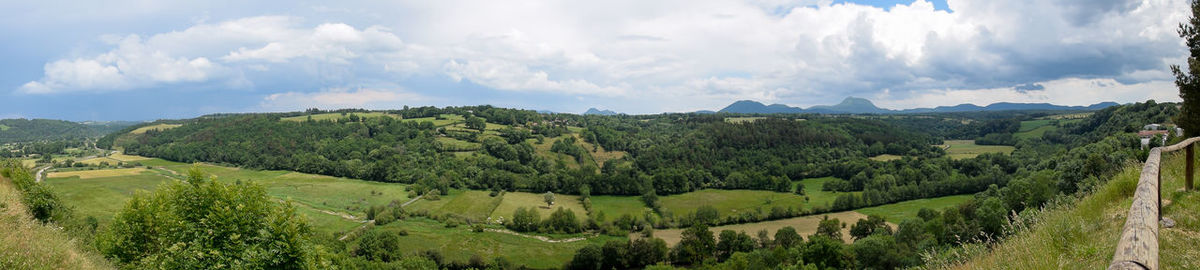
(336, 98)
(680, 54)
(1072, 92)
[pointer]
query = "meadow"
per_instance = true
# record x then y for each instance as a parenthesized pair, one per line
(730, 202)
(159, 127)
(961, 149)
(460, 244)
(335, 116)
(805, 226)
(102, 197)
(897, 212)
(28, 244)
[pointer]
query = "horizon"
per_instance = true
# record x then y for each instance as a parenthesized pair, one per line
(136, 61)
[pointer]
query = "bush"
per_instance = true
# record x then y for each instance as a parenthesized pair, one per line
(378, 245)
(206, 224)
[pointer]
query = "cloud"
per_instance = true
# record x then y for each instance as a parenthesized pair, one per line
(132, 64)
(335, 98)
(679, 54)
(1074, 92)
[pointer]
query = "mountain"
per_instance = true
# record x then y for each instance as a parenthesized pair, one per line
(750, 106)
(853, 105)
(594, 111)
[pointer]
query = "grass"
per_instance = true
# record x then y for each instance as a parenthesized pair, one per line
(513, 200)
(126, 158)
(1027, 126)
(103, 196)
(816, 196)
(325, 223)
(335, 116)
(27, 244)
(97, 160)
(961, 149)
(459, 244)
(160, 127)
(447, 119)
(730, 202)
(738, 120)
(456, 145)
(616, 206)
(473, 204)
(1034, 133)
(317, 191)
(886, 157)
(89, 174)
(806, 225)
(897, 212)
(1083, 233)
(3, 127)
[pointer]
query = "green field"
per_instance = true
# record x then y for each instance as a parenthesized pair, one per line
(473, 204)
(335, 116)
(513, 200)
(742, 119)
(3, 127)
(459, 244)
(447, 119)
(102, 197)
(159, 127)
(1035, 128)
(456, 145)
(897, 212)
(960, 149)
(886, 157)
(616, 206)
(731, 202)
(816, 196)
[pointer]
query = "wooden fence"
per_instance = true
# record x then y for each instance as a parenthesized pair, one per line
(1138, 248)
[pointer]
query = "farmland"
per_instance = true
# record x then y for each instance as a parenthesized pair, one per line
(159, 127)
(960, 149)
(900, 211)
(806, 225)
(336, 116)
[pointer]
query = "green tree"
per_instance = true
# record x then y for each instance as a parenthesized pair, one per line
(825, 252)
(787, 237)
(378, 245)
(1189, 81)
(524, 220)
(871, 225)
(695, 245)
(589, 257)
(831, 228)
(992, 216)
(548, 198)
(476, 123)
(706, 215)
(206, 224)
(877, 252)
(733, 242)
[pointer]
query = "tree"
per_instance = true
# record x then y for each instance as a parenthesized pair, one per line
(787, 237)
(733, 242)
(475, 123)
(695, 245)
(877, 252)
(867, 227)
(831, 228)
(548, 198)
(992, 216)
(706, 215)
(378, 245)
(1189, 81)
(206, 224)
(589, 257)
(825, 252)
(524, 220)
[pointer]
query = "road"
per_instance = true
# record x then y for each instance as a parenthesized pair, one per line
(40, 173)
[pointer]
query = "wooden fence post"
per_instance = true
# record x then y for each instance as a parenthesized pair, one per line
(1191, 162)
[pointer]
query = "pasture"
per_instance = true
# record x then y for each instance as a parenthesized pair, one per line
(460, 243)
(102, 197)
(805, 226)
(158, 127)
(336, 116)
(961, 149)
(89, 174)
(1035, 128)
(616, 206)
(886, 157)
(730, 202)
(455, 145)
(897, 212)
(441, 120)
(473, 204)
(512, 200)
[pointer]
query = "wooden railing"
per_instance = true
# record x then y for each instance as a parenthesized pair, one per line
(1138, 248)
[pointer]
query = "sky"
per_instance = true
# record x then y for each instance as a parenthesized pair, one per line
(145, 60)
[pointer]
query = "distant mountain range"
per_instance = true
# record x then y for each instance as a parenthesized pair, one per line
(594, 111)
(853, 105)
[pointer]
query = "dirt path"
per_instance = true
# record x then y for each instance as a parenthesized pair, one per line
(539, 237)
(40, 173)
(412, 201)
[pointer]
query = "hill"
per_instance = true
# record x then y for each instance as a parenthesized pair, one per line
(594, 111)
(853, 105)
(24, 130)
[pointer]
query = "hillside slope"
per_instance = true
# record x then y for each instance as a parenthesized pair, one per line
(27, 244)
(1083, 234)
